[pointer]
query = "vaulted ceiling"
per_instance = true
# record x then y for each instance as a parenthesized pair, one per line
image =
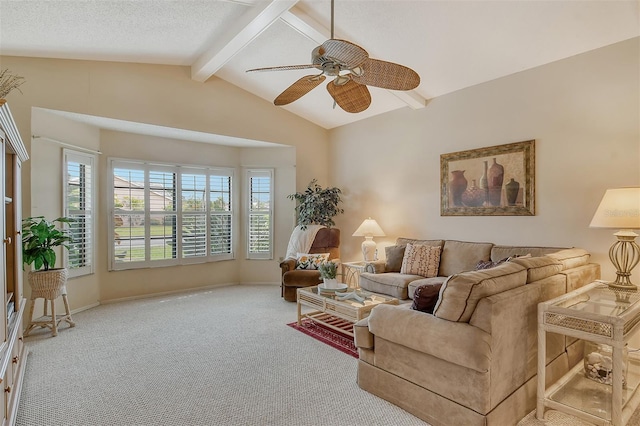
(451, 44)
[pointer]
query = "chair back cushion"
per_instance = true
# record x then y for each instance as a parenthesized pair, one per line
(327, 241)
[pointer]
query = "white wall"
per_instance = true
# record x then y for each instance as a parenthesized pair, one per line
(583, 113)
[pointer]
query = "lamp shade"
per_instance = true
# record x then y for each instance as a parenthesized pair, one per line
(369, 228)
(619, 208)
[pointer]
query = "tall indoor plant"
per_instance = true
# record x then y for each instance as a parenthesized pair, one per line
(40, 238)
(317, 205)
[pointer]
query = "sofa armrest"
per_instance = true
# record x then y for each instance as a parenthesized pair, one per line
(288, 265)
(581, 275)
(362, 337)
(375, 267)
(457, 342)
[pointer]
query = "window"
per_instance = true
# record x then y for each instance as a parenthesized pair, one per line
(260, 214)
(79, 202)
(169, 215)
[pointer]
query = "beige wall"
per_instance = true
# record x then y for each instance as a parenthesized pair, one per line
(583, 113)
(166, 96)
(46, 194)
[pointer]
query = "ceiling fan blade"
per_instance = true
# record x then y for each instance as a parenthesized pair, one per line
(387, 75)
(351, 96)
(349, 54)
(285, 68)
(299, 89)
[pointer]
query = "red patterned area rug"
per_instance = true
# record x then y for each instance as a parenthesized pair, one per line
(331, 337)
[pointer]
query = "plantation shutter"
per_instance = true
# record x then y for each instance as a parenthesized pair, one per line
(79, 206)
(260, 214)
(220, 218)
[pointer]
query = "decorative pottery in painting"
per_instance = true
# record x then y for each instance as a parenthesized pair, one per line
(512, 189)
(473, 196)
(496, 177)
(458, 185)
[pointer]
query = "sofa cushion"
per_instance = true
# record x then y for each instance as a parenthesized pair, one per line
(539, 268)
(571, 258)
(405, 241)
(461, 292)
(425, 297)
(394, 255)
(461, 256)
(310, 260)
(393, 284)
(421, 260)
(500, 252)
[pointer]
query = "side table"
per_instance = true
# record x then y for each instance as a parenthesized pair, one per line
(351, 273)
(598, 314)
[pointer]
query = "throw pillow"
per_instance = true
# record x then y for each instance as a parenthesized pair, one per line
(421, 260)
(310, 261)
(394, 255)
(425, 297)
(487, 264)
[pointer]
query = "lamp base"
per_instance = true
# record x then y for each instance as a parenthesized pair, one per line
(625, 255)
(626, 287)
(369, 249)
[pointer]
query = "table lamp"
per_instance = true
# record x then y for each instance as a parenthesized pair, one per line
(369, 229)
(620, 208)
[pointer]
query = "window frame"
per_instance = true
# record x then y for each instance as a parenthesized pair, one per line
(249, 174)
(179, 169)
(70, 155)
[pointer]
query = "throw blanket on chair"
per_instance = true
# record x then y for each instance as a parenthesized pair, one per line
(301, 240)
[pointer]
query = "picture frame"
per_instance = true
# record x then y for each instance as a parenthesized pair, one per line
(492, 181)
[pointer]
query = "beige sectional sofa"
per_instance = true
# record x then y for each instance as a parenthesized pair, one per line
(473, 360)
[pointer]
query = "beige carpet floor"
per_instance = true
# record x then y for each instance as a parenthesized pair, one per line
(223, 356)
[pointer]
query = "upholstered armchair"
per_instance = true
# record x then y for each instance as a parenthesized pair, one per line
(327, 240)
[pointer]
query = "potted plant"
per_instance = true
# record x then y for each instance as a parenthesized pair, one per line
(317, 205)
(40, 238)
(328, 271)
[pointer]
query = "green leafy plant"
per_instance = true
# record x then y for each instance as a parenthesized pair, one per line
(328, 269)
(40, 237)
(317, 205)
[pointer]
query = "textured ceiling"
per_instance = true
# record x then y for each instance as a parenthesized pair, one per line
(451, 44)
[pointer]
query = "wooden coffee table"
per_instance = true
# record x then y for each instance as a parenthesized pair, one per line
(336, 314)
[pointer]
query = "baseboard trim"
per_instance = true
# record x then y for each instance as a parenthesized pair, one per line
(261, 283)
(166, 293)
(84, 308)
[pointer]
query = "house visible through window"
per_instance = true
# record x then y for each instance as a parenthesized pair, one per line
(79, 202)
(167, 215)
(260, 214)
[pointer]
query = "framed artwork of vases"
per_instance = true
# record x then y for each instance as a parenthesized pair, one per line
(493, 181)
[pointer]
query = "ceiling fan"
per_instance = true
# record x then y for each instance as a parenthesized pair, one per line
(353, 71)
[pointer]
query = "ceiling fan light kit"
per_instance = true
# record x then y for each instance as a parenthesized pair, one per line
(353, 71)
